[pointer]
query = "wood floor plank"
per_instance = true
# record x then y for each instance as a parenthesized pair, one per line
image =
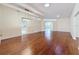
(39, 44)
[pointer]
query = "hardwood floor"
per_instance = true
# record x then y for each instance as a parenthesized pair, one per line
(59, 43)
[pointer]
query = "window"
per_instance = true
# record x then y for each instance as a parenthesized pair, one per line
(48, 29)
(24, 25)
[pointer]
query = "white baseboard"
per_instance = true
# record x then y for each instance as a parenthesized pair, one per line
(61, 31)
(73, 36)
(30, 33)
(11, 36)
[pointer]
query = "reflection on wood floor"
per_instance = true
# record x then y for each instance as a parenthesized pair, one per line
(60, 43)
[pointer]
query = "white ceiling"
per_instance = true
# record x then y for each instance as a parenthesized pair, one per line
(55, 9)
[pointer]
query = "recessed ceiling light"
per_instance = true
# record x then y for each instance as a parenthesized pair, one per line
(46, 5)
(58, 16)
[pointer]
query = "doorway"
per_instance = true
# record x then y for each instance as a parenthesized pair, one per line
(48, 29)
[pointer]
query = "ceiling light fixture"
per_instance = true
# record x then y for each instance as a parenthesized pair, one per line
(46, 5)
(58, 16)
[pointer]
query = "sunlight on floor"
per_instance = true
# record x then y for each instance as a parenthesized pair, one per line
(78, 48)
(58, 50)
(48, 34)
(27, 51)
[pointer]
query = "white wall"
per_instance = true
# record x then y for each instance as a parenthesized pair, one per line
(75, 22)
(10, 23)
(62, 24)
(77, 26)
(0, 19)
(35, 26)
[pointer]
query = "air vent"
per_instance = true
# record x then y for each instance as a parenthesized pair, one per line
(27, 10)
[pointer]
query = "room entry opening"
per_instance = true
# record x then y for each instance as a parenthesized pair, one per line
(24, 27)
(48, 29)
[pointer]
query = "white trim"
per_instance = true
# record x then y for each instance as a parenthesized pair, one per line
(4, 38)
(73, 37)
(30, 8)
(49, 19)
(61, 31)
(20, 9)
